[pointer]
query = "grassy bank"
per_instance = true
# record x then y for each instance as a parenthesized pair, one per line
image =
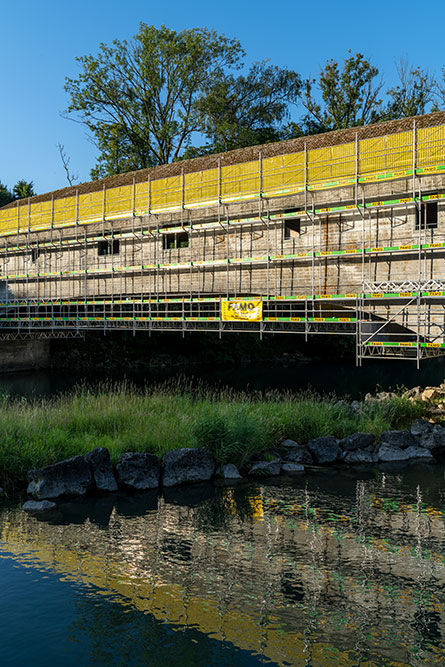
(233, 425)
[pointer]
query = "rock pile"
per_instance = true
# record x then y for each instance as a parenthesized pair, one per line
(138, 471)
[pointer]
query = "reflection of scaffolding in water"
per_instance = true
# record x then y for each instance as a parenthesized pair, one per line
(171, 270)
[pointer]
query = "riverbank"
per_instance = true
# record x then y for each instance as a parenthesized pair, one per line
(233, 426)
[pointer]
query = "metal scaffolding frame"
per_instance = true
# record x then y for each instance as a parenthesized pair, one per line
(137, 289)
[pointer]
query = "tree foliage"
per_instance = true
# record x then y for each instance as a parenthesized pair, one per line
(349, 96)
(23, 189)
(139, 98)
(242, 110)
(20, 190)
(5, 195)
(440, 92)
(414, 93)
(154, 99)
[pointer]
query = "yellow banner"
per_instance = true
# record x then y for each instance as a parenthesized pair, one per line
(242, 310)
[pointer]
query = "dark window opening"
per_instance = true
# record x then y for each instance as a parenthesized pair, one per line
(292, 228)
(427, 217)
(35, 253)
(110, 247)
(175, 241)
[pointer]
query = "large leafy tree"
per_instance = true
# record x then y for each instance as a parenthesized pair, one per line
(242, 110)
(23, 189)
(413, 95)
(139, 98)
(343, 96)
(5, 195)
(440, 92)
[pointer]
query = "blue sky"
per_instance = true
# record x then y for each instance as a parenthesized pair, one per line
(40, 40)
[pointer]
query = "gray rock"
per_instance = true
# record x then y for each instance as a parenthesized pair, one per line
(434, 440)
(265, 468)
(356, 407)
(324, 449)
(357, 441)
(419, 453)
(291, 468)
(229, 471)
(400, 439)
(390, 453)
(185, 466)
(70, 477)
(361, 456)
(298, 454)
(38, 506)
(421, 427)
(138, 471)
(99, 460)
(289, 444)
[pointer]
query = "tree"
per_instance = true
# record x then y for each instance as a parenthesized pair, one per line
(242, 110)
(440, 93)
(349, 96)
(23, 189)
(5, 195)
(139, 98)
(70, 177)
(413, 94)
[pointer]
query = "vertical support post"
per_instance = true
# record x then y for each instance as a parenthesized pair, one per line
(76, 212)
(356, 169)
(182, 197)
(260, 185)
(18, 219)
(103, 210)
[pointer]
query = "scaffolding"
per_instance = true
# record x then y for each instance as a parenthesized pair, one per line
(347, 239)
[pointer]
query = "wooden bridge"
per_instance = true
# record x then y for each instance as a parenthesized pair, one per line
(342, 233)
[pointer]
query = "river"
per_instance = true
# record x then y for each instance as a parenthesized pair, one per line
(343, 378)
(323, 570)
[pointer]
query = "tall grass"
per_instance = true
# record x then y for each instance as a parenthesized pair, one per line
(234, 425)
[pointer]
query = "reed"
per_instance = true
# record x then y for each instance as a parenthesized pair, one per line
(234, 425)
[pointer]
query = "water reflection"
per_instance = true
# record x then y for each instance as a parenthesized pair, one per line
(322, 376)
(324, 570)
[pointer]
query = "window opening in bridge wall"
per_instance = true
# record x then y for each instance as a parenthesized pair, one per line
(174, 241)
(428, 216)
(35, 253)
(110, 247)
(292, 228)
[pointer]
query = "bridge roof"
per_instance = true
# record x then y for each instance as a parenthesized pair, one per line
(248, 154)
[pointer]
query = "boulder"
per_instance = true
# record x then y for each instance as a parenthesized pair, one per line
(431, 394)
(324, 449)
(229, 471)
(361, 456)
(434, 440)
(70, 477)
(356, 407)
(266, 468)
(421, 427)
(401, 439)
(357, 441)
(419, 453)
(297, 454)
(388, 452)
(100, 463)
(291, 468)
(36, 507)
(289, 444)
(185, 466)
(138, 471)
(413, 393)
